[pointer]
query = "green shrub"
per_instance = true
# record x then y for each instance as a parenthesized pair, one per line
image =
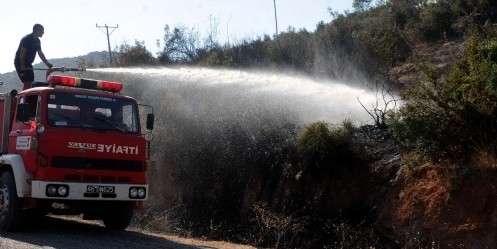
(453, 117)
(436, 21)
(319, 145)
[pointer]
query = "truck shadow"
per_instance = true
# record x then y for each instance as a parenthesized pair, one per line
(53, 232)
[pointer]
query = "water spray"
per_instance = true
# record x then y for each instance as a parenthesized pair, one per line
(238, 91)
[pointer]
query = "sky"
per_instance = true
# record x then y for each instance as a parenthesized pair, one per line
(71, 26)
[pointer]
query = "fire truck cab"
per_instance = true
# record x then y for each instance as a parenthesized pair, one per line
(72, 146)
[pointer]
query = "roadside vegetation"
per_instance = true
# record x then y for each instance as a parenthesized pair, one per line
(269, 182)
(454, 117)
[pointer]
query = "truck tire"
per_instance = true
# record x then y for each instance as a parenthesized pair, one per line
(120, 217)
(11, 206)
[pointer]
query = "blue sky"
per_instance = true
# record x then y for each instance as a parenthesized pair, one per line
(70, 26)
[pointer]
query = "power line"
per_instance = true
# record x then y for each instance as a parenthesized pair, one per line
(108, 39)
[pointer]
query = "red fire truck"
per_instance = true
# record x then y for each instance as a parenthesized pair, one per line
(72, 146)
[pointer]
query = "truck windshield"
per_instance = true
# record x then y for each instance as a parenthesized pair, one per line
(92, 111)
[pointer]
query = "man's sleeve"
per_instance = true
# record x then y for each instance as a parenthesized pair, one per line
(24, 43)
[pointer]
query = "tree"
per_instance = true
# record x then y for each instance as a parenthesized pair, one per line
(134, 55)
(293, 49)
(181, 45)
(361, 5)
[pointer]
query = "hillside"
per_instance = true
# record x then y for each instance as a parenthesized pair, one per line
(441, 54)
(448, 201)
(265, 181)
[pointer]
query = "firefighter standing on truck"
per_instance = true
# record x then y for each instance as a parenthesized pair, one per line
(26, 54)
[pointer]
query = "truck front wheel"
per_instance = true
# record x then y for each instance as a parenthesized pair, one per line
(11, 213)
(120, 217)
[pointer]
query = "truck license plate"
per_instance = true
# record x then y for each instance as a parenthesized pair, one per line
(100, 189)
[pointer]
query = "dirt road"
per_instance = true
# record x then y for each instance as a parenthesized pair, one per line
(50, 232)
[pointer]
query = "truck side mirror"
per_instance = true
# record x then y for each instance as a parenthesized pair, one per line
(23, 114)
(150, 121)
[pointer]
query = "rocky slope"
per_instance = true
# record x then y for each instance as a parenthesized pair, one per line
(440, 54)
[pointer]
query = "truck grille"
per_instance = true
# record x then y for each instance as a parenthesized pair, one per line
(98, 164)
(94, 178)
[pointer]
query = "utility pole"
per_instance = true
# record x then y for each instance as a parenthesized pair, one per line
(108, 35)
(275, 19)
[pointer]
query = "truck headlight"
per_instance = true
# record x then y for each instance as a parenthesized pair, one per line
(57, 190)
(141, 192)
(51, 190)
(62, 191)
(133, 192)
(137, 192)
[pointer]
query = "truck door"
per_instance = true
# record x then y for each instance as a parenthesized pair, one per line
(23, 138)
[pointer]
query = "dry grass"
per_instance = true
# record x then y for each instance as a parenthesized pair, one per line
(484, 158)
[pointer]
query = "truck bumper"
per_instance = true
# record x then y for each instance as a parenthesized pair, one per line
(89, 191)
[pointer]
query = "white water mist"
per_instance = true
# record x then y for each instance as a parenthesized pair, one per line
(304, 98)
